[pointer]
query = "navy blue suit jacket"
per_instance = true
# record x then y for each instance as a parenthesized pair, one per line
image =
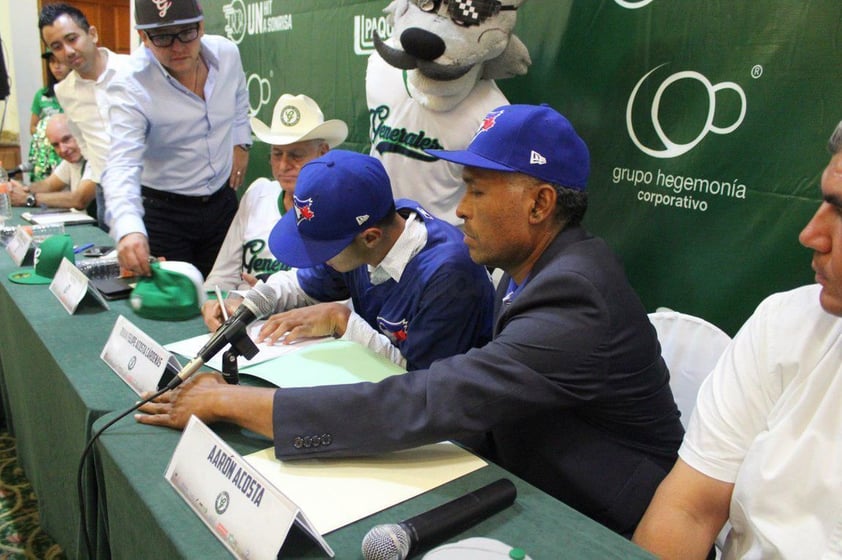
(571, 394)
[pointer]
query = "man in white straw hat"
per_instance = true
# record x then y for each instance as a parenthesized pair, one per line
(298, 133)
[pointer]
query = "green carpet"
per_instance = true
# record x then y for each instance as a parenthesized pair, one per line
(20, 528)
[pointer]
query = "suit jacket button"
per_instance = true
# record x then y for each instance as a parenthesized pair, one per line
(298, 443)
(327, 439)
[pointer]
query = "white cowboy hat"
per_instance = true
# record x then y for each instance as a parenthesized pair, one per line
(297, 118)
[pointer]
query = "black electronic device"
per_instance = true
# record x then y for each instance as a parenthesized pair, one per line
(98, 251)
(112, 288)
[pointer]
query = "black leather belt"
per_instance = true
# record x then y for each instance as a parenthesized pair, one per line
(155, 194)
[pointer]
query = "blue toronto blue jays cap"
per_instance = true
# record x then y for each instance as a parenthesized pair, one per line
(532, 139)
(337, 196)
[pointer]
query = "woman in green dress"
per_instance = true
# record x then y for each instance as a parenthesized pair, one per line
(42, 156)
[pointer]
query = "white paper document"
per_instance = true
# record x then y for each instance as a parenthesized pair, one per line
(336, 492)
(71, 216)
(190, 348)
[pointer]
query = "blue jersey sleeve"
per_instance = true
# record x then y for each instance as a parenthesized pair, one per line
(323, 283)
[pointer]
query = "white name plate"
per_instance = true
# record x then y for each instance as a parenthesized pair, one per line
(246, 513)
(70, 286)
(135, 357)
(19, 245)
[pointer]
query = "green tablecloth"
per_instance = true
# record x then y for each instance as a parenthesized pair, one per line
(54, 385)
(147, 519)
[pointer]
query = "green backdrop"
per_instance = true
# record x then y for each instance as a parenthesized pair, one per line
(707, 121)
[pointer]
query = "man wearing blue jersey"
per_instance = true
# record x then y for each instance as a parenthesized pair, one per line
(417, 296)
(571, 395)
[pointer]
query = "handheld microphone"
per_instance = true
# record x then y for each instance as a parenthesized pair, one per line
(259, 302)
(396, 541)
(22, 168)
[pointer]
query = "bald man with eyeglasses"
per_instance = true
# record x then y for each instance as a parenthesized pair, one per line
(179, 118)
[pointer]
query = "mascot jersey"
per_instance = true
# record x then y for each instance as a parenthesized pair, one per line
(246, 247)
(401, 129)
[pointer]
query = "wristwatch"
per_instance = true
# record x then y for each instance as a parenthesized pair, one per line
(30, 200)
(244, 147)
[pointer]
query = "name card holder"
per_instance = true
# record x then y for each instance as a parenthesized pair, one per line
(242, 509)
(20, 248)
(136, 358)
(70, 286)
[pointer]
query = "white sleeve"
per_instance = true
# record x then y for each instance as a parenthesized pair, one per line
(733, 403)
(290, 293)
(227, 268)
(121, 178)
(361, 332)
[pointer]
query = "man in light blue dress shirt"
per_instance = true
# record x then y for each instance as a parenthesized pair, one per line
(179, 118)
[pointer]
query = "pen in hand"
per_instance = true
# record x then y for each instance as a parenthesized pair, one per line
(221, 303)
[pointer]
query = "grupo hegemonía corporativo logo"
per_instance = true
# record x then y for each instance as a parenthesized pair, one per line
(668, 114)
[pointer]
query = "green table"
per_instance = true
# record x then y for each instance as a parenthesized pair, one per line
(55, 386)
(147, 519)
(57, 391)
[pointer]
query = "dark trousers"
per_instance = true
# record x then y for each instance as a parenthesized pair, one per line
(188, 228)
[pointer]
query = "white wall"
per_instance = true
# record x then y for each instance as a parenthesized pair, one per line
(22, 52)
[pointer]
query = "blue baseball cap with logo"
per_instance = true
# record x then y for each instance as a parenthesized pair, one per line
(532, 139)
(337, 196)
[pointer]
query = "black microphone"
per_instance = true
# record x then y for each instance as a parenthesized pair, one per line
(398, 541)
(22, 168)
(259, 302)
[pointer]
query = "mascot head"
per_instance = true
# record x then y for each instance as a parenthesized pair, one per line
(446, 46)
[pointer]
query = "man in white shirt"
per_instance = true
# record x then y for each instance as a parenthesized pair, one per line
(66, 32)
(298, 134)
(65, 187)
(179, 118)
(763, 447)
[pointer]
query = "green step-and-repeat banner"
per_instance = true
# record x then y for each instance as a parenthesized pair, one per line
(707, 121)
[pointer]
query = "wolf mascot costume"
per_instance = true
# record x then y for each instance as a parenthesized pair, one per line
(430, 85)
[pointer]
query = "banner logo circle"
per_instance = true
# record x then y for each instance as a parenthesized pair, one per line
(260, 90)
(632, 4)
(675, 149)
(235, 20)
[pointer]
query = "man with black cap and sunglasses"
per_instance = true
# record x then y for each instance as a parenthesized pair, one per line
(179, 121)
(571, 395)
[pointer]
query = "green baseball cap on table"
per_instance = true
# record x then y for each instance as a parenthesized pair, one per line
(48, 257)
(173, 292)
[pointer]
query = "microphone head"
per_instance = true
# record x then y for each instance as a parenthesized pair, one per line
(386, 542)
(262, 299)
(22, 168)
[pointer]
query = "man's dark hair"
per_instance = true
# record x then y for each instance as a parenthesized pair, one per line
(571, 205)
(51, 12)
(51, 82)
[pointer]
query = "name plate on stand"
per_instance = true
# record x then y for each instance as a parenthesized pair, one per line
(136, 357)
(241, 508)
(70, 286)
(20, 246)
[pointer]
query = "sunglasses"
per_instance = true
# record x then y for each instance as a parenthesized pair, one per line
(465, 12)
(163, 40)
